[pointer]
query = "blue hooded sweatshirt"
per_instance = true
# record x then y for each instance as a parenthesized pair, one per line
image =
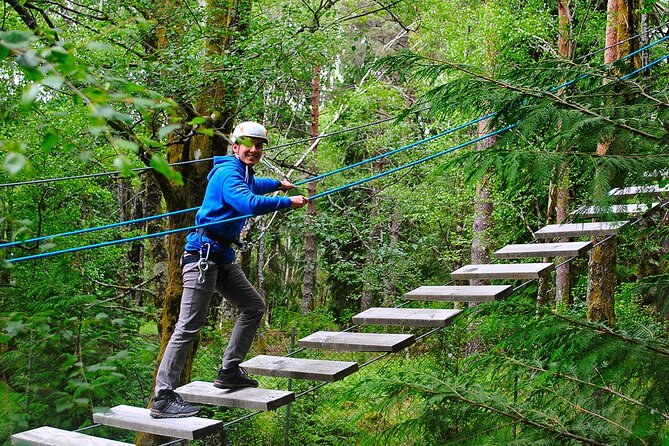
(232, 191)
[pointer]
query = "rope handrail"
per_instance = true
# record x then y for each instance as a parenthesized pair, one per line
(313, 197)
(348, 129)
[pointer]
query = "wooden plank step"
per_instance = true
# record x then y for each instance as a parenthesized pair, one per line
(449, 293)
(580, 229)
(528, 250)
(503, 271)
(315, 369)
(139, 419)
(50, 436)
(615, 209)
(414, 317)
(357, 342)
(246, 398)
(628, 192)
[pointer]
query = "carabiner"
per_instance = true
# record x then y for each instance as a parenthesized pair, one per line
(203, 263)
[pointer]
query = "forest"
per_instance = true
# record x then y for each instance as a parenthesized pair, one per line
(427, 135)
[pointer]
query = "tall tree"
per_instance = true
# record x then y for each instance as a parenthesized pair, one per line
(622, 21)
(310, 249)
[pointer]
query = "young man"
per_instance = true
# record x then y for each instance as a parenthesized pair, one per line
(208, 265)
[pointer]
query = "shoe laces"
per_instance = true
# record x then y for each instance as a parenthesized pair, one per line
(176, 399)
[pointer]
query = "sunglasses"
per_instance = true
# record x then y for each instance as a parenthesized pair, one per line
(248, 142)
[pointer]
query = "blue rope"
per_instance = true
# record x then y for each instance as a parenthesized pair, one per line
(313, 197)
(392, 152)
(411, 164)
(97, 228)
(125, 240)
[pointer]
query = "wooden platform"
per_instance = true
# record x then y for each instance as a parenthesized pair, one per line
(633, 191)
(548, 250)
(50, 436)
(413, 317)
(581, 229)
(357, 342)
(246, 398)
(503, 271)
(464, 293)
(138, 419)
(282, 367)
(632, 210)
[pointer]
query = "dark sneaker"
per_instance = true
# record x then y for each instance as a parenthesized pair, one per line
(170, 405)
(234, 379)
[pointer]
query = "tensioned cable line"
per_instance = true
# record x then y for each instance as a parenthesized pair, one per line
(97, 228)
(193, 227)
(181, 163)
(364, 180)
(349, 129)
(308, 180)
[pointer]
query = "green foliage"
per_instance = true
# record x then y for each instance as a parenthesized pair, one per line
(540, 380)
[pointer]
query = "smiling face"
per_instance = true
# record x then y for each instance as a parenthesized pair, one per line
(248, 150)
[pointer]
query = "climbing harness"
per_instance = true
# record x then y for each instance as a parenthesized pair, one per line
(203, 263)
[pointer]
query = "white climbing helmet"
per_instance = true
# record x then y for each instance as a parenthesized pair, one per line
(250, 129)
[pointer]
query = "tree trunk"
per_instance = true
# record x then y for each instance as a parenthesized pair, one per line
(157, 248)
(217, 100)
(390, 291)
(602, 281)
(481, 245)
(310, 250)
(601, 267)
(563, 273)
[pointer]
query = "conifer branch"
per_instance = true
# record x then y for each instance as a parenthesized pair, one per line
(513, 414)
(552, 96)
(587, 383)
(605, 330)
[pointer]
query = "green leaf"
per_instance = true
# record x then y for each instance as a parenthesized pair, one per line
(54, 82)
(14, 328)
(161, 165)
(14, 163)
(64, 404)
(49, 141)
(30, 93)
(205, 131)
(122, 163)
(16, 40)
(198, 120)
(125, 145)
(164, 131)
(150, 142)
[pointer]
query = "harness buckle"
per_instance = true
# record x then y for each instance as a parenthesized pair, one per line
(203, 263)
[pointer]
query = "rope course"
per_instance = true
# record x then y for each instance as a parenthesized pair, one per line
(314, 197)
(346, 130)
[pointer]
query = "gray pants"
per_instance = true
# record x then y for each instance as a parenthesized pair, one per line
(230, 281)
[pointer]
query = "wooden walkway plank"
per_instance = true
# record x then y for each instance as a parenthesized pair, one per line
(245, 398)
(632, 210)
(314, 369)
(549, 250)
(580, 229)
(449, 293)
(503, 271)
(633, 191)
(357, 342)
(139, 419)
(411, 317)
(50, 436)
